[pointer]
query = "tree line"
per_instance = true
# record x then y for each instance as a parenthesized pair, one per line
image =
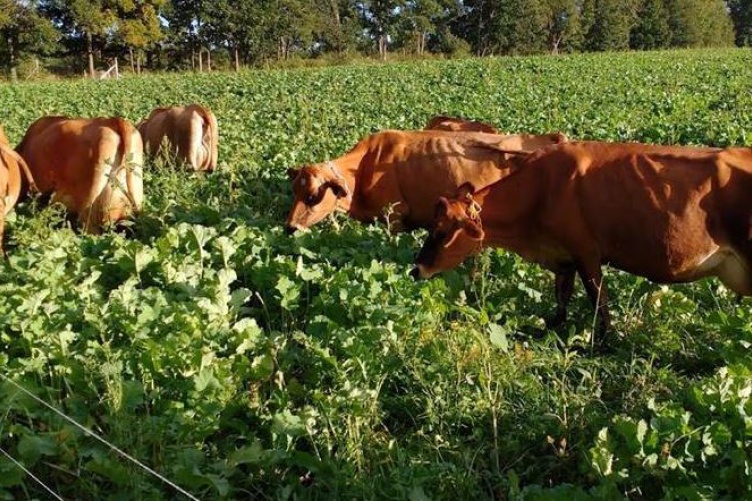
(82, 35)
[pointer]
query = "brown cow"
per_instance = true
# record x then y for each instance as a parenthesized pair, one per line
(669, 214)
(190, 131)
(404, 172)
(13, 174)
(93, 167)
(3, 137)
(443, 122)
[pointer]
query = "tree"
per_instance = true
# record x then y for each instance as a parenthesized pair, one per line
(339, 26)
(140, 27)
(521, 27)
(562, 24)
(652, 30)
(230, 24)
(612, 22)
(91, 20)
(24, 31)
(741, 15)
(504, 26)
(699, 23)
(380, 18)
(294, 25)
(474, 22)
(421, 19)
(186, 19)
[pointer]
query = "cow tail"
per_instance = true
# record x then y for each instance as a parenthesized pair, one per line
(124, 131)
(211, 124)
(30, 185)
(27, 180)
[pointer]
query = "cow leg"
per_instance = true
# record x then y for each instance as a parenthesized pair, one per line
(592, 279)
(2, 228)
(564, 287)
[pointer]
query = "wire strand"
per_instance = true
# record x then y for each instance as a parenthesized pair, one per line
(108, 444)
(29, 473)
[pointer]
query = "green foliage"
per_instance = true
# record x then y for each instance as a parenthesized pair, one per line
(175, 34)
(741, 15)
(241, 362)
(651, 30)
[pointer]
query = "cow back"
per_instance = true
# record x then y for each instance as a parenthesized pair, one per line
(188, 133)
(416, 168)
(93, 167)
(455, 124)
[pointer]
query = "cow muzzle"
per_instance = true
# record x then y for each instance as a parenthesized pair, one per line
(291, 228)
(420, 272)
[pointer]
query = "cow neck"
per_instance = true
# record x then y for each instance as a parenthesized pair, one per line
(506, 208)
(343, 170)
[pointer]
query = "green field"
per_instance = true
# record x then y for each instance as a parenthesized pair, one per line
(241, 362)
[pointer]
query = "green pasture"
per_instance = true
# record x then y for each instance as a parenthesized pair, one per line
(243, 363)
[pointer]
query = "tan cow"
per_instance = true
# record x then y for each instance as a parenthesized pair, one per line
(190, 132)
(670, 214)
(92, 166)
(404, 173)
(454, 124)
(3, 137)
(14, 173)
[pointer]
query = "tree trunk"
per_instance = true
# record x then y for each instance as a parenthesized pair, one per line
(138, 62)
(90, 53)
(420, 42)
(200, 60)
(12, 56)
(130, 58)
(208, 60)
(382, 46)
(337, 25)
(283, 48)
(237, 59)
(481, 43)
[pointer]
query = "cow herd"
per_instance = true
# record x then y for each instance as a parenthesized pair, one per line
(667, 213)
(94, 167)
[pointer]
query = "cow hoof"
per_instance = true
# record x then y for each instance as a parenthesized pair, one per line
(415, 273)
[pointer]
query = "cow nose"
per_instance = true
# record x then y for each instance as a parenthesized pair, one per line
(290, 229)
(415, 273)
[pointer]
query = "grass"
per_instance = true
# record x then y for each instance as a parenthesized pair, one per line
(242, 362)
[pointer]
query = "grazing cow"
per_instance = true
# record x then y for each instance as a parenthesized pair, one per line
(13, 174)
(670, 214)
(3, 137)
(189, 131)
(404, 172)
(453, 124)
(93, 167)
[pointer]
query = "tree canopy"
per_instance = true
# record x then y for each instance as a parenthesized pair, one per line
(201, 34)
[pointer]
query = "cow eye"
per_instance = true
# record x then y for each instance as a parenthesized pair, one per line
(310, 200)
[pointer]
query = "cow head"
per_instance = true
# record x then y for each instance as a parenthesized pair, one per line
(457, 233)
(317, 190)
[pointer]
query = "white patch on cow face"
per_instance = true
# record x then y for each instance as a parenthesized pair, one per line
(303, 182)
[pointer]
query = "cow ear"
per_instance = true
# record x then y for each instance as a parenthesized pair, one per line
(473, 229)
(465, 190)
(292, 173)
(339, 189)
